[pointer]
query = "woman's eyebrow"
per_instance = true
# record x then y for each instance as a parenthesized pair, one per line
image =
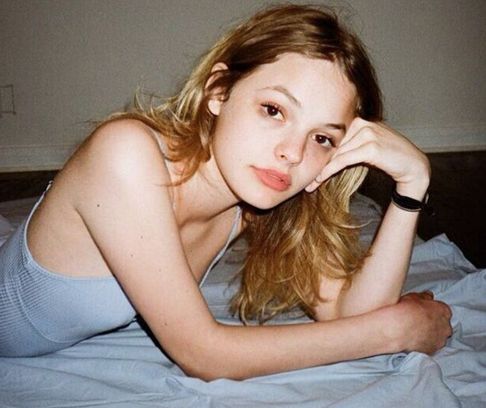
(337, 126)
(286, 92)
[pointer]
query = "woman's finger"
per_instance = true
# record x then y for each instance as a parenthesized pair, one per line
(364, 153)
(379, 146)
(360, 136)
(357, 154)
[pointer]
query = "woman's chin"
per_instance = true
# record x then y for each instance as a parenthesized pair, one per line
(264, 201)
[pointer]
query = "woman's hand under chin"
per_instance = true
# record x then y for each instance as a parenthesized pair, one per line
(377, 145)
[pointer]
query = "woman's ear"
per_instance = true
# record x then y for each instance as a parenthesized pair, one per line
(216, 97)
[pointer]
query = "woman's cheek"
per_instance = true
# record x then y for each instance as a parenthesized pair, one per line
(319, 158)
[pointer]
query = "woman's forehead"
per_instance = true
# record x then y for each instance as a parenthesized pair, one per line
(303, 81)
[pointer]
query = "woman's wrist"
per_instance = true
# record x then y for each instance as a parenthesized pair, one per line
(417, 185)
(391, 329)
(410, 204)
(416, 190)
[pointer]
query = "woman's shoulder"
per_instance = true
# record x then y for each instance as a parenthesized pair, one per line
(119, 155)
(124, 147)
(122, 136)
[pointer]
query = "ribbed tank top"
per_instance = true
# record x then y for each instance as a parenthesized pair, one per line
(42, 311)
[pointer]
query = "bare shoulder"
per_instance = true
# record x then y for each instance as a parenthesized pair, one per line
(121, 132)
(125, 144)
(118, 179)
(119, 152)
(115, 173)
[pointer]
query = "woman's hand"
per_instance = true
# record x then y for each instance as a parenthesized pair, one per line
(377, 145)
(422, 323)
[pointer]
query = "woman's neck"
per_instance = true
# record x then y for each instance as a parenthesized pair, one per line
(204, 196)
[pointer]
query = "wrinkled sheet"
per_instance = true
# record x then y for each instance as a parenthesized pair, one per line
(125, 368)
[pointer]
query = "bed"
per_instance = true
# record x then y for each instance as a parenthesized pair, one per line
(126, 368)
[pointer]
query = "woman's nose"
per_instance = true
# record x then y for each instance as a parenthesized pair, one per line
(290, 149)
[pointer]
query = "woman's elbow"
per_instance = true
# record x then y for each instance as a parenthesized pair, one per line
(198, 370)
(342, 309)
(207, 359)
(209, 372)
(210, 368)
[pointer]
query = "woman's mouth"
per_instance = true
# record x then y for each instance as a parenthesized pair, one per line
(274, 179)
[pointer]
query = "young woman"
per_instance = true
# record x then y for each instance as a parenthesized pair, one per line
(266, 136)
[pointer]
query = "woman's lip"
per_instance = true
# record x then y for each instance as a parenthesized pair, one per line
(273, 178)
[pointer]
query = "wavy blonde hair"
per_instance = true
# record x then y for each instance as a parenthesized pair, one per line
(292, 245)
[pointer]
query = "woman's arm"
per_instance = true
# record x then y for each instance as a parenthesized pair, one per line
(416, 323)
(123, 202)
(380, 281)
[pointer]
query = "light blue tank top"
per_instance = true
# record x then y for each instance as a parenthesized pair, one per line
(42, 311)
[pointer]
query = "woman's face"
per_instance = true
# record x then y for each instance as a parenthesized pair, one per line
(280, 126)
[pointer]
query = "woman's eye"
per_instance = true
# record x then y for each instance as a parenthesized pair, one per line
(272, 110)
(324, 140)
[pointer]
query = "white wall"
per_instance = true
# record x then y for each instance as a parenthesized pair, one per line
(78, 60)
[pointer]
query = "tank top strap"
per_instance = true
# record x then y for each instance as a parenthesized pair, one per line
(231, 237)
(236, 221)
(39, 200)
